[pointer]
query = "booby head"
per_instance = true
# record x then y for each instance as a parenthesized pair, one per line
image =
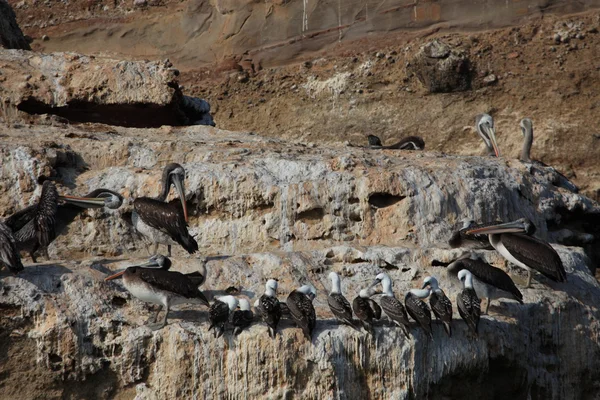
(465, 276)
(430, 281)
(231, 302)
(386, 283)
(271, 288)
(175, 175)
(244, 304)
(335, 282)
(374, 140)
(522, 225)
(421, 293)
(485, 129)
(308, 290)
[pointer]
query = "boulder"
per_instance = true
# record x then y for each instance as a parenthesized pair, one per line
(441, 69)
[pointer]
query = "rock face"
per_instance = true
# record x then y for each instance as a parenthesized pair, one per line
(11, 36)
(262, 208)
(90, 89)
(441, 69)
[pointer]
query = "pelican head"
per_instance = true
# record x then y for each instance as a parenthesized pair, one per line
(522, 225)
(174, 174)
(485, 129)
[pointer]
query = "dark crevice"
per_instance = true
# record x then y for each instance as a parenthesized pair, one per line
(313, 214)
(383, 200)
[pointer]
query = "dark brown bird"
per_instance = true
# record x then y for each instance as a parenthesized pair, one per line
(220, 312)
(440, 303)
(269, 308)
(407, 143)
(366, 309)
(302, 310)
(338, 304)
(469, 305)
(9, 253)
(242, 318)
(418, 310)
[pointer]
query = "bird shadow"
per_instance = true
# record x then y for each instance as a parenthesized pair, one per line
(46, 277)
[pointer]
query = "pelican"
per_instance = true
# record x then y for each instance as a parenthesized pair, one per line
(9, 254)
(219, 313)
(242, 318)
(440, 303)
(392, 307)
(418, 310)
(339, 305)
(366, 309)
(162, 262)
(37, 226)
(302, 309)
(460, 238)
(485, 129)
(469, 305)
(269, 307)
(557, 178)
(151, 283)
(407, 143)
(513, 241)
(161, 222)
(489, 282)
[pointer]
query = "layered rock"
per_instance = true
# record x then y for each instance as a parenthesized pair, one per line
(262, 208)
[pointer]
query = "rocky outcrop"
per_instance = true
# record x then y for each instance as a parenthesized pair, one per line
(441, 69)
(262, 208)
(11, 36)
(92, 89)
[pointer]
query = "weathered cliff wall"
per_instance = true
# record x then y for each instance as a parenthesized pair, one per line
(264, 208)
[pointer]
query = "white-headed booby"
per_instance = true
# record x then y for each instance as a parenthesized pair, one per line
(269, 307)
(219, 313)
(366, 309)
(440, 303)
(302, 310)
(392, 307)
(418, 309)
(243, 317)
(469, 305)
(339, 305)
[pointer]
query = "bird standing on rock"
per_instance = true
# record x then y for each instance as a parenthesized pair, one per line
(339, 305)
(469, 305)
(418, 310)
(269, 308)
(485, 129)
(302, 310)
(392, 307)
(242, 318)
(366, 309)
(440, 303)
(219, 313)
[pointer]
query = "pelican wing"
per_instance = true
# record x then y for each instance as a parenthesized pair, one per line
(45, 214)
(18, 220)
(536, 254)
(167, 218)
(9, 254)
(171, 281)
(491, 275)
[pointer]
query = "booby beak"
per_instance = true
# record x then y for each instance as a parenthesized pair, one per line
(181, 191)
(508, 227)
(491, 133)
(425, 285)
(375, 283)
(83, 202)
(115, 276)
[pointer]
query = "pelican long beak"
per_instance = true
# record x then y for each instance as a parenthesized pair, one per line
(83, 202)
(508, 227)
(181, 191)
(115, 276)
(491, 134)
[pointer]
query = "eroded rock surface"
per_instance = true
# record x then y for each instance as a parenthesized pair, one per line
(262, 208)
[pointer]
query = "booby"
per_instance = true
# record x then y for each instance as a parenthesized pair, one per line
(469, 305)
(219, 313)
(557, 178)
(242, 318)
(302, 310)
(392, 307)
(513, 241)
(151, 283)
(339, 305)
(440, 303)
(366, 309)
(460, 238)
(36, 226)
(161, 222)
(407, 143)
(489, 282)
(9, 253)
(418, 310)
(269, 307)
(485, 129)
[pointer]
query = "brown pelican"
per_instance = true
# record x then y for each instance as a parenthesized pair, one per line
(556, 177)
(407, 143)
(366, 309)
(302, 310)
(38, 225)
(242, 318)
(159, 261)
(269, 308)
(9, 254)
(440, 303)
(460, 238)
(485, 129)
(418, 310)
(151, 283)
(513, 241)
(392, 307)
(469, 305)
(489, 282)
(161, 222)
(339, 305)
(219, 313)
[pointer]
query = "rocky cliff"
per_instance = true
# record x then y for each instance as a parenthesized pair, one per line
(263, 208)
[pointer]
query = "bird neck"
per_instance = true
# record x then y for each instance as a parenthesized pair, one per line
(270, 292)
(166, 186)
(386, 284)
(336, 286)
(527, 143)
(420, 293)
(469, 281)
